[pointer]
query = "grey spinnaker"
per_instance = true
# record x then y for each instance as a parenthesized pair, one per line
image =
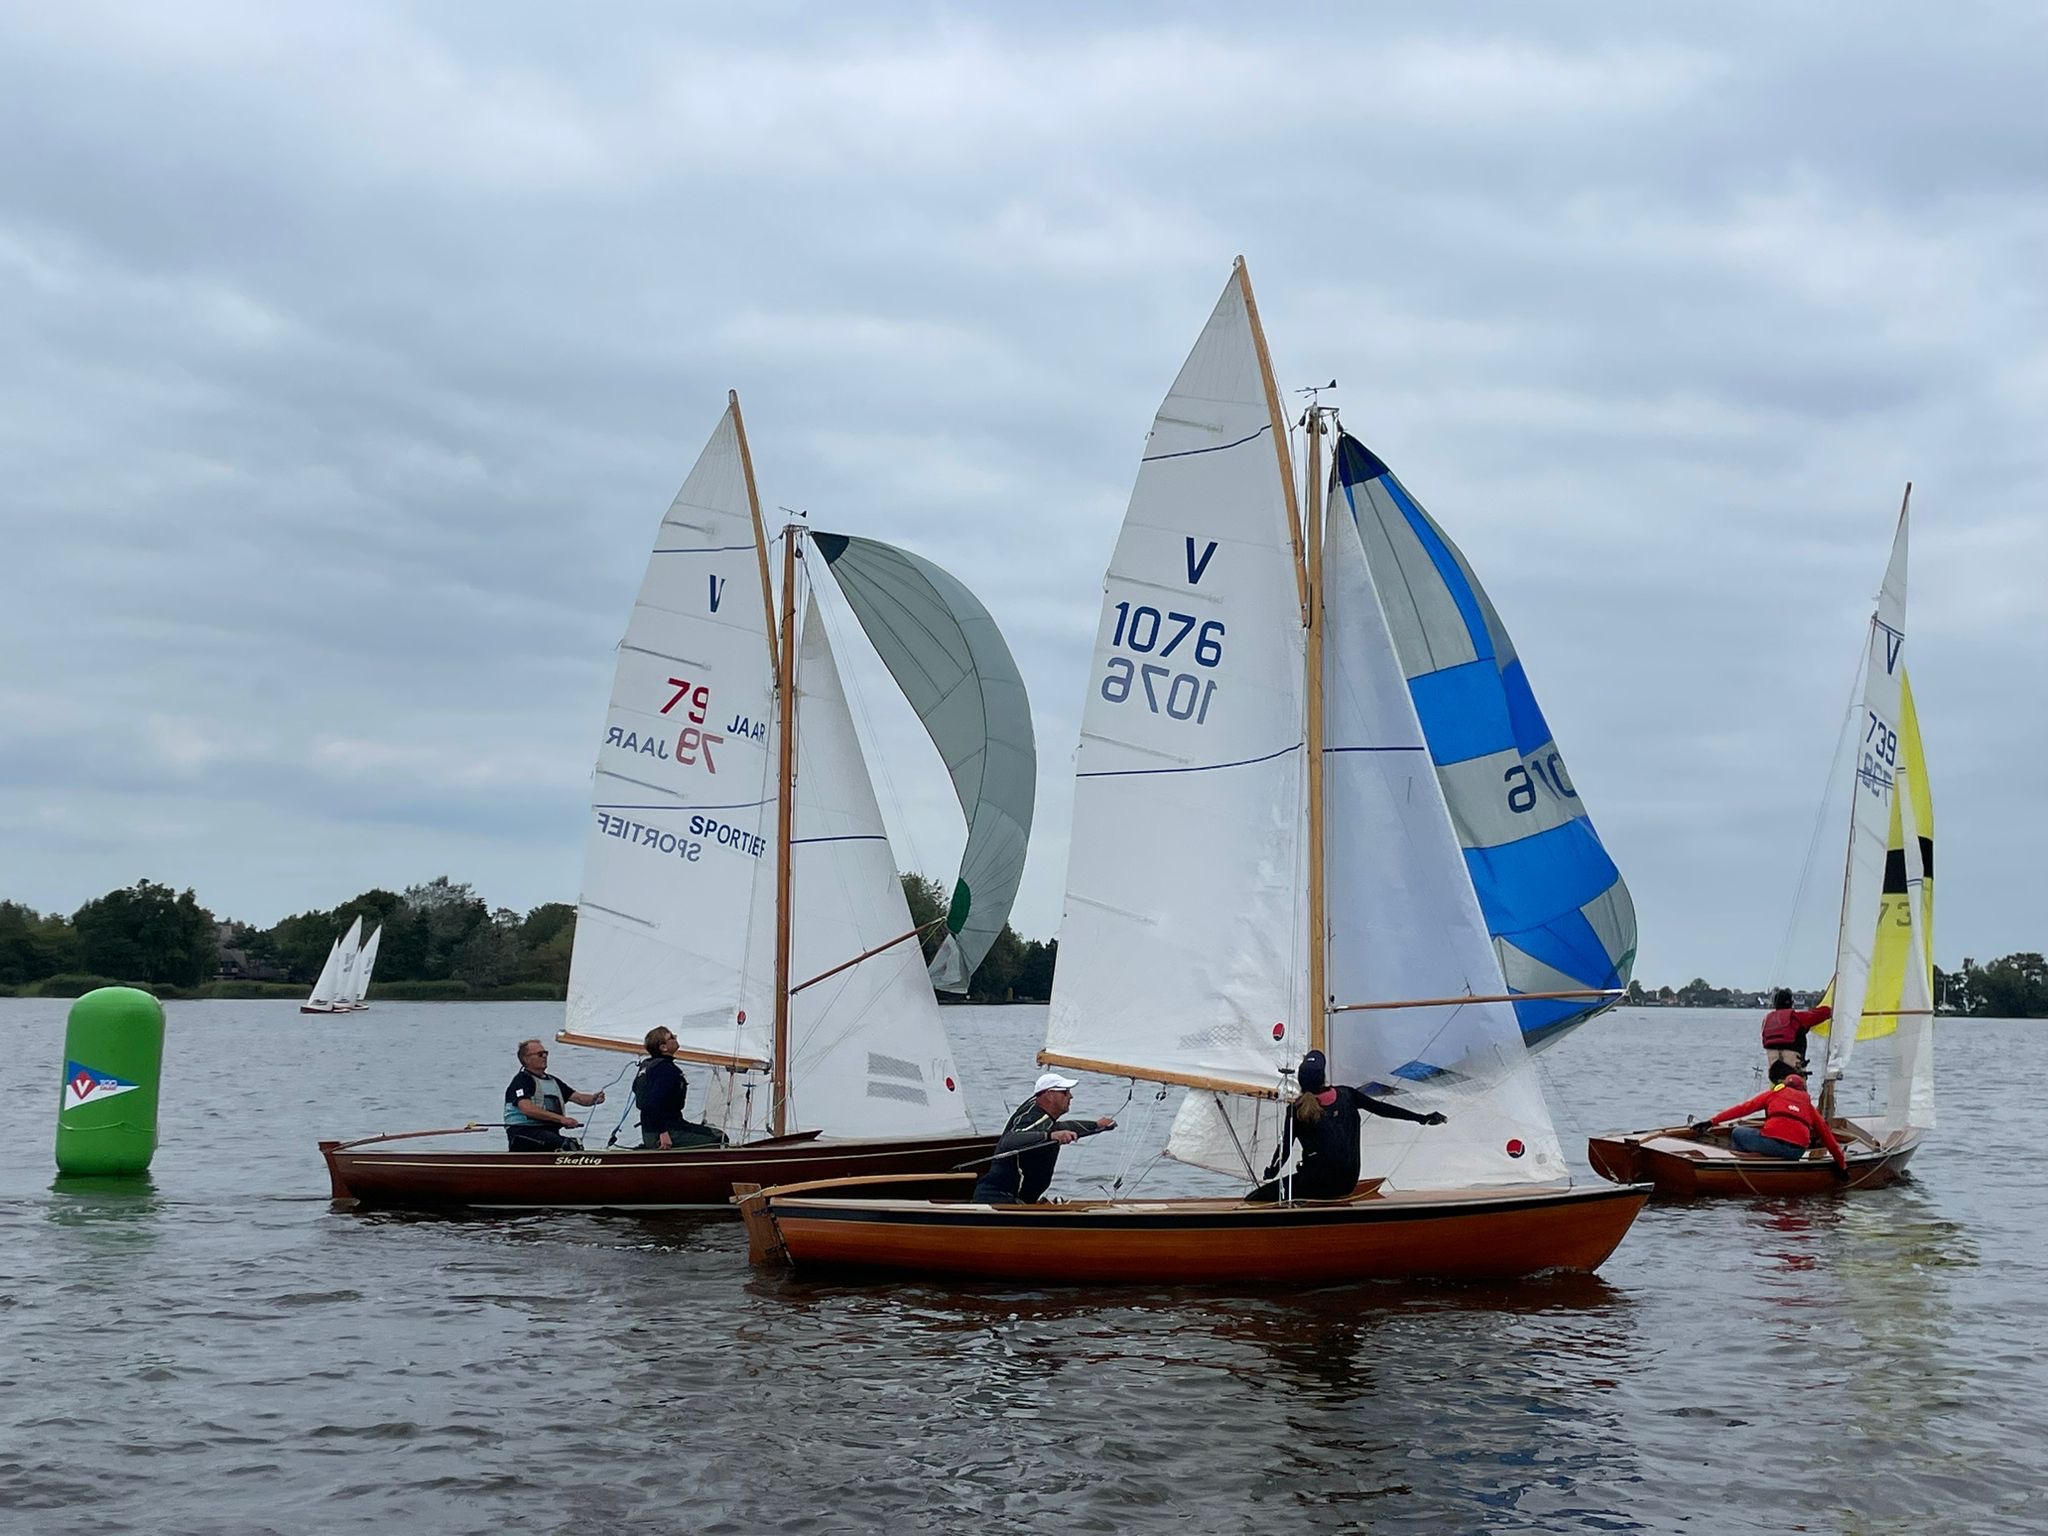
(952, 664)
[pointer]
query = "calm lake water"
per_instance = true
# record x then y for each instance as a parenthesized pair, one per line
(226, 1353)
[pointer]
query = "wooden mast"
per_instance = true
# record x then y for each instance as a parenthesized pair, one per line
(1318, 926)
(785, 821)
(1307, 575)
(1830, 1074)
(760, 532)
(1251, 309)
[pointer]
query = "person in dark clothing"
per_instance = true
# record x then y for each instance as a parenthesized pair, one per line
(1034, 1134)
(534, 1103)
(1324, 1123)
(1785, 1029)
(660, 1090)
(1791, 1123)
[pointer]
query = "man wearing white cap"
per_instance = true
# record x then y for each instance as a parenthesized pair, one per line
(1031, 1142)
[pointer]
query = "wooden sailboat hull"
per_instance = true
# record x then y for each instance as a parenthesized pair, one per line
(1679, 1166)
(690, 1179)
(1485, 1234)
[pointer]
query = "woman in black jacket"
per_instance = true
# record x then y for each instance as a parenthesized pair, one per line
(1324, 1123)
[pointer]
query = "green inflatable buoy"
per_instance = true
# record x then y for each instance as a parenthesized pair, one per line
(113, 1060)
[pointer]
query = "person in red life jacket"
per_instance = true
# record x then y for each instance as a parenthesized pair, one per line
(1790, 1122)
(1785, 1030)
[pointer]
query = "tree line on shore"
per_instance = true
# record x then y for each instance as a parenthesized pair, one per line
(441, 940)
(2010, 987)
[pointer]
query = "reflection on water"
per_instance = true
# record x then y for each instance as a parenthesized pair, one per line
(1838, 1364)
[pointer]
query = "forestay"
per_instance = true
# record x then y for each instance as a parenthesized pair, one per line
(948, 657)
(1182, 948)
(1871, 815)
(1560, 917)
(679, 859)
(868, 1053)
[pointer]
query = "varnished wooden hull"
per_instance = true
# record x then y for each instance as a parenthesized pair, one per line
(1680, 1167)
(692, 1179)
(1469, 1235)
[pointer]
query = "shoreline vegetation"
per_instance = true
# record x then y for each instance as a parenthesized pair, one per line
(443, 943)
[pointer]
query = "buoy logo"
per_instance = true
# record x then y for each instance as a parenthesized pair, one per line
(84, 1085)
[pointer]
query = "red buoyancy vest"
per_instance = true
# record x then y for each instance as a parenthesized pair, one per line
(1789, 1116)
(1784, 1026)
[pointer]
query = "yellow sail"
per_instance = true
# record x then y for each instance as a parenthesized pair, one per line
(1885, 995)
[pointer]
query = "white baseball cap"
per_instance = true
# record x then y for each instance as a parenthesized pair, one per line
(1052, 1080)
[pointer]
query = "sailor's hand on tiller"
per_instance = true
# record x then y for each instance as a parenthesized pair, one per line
(570, 1123)
(1106, 1123)
(1065, 1137)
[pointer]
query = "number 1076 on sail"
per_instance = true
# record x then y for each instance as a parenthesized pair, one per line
(1179, 695)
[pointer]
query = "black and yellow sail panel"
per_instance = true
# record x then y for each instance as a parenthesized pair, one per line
(1888, 994)
(1886, 997)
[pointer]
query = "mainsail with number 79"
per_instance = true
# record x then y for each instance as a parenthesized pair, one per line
(739, 890)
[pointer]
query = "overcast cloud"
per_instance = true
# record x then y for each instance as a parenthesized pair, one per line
(349, 355)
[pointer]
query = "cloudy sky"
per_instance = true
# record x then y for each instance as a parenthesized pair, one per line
(349, 355)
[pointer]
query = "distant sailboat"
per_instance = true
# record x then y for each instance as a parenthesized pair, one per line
(335, 990)
(366, 962)
(326, 985)
(1883, 989)
(738, 886)
(1268, 856)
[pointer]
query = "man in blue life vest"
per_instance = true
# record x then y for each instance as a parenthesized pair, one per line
(534, 1104)
(1790, 1122)
(1029, 1147)
(660, 1090)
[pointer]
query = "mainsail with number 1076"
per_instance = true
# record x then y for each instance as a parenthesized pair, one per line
(1265, 859)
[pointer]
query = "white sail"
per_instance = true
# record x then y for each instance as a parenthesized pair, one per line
(1183, 943)
(1406, 925)
(366, 962)
(349, 952)
(321, 998)
(1877, 759)
(679, 860)
(868, 1053)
